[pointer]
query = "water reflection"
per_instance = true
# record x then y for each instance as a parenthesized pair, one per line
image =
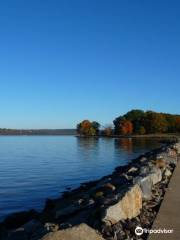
(125, 144)
(87, 148)
(87, 143)
(133, 145)
(92, 146)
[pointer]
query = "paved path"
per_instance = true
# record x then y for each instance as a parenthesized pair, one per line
(169, 213)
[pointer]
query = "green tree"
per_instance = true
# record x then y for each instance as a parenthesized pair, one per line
(155, 122)
(96, 126)
(136, 116)
(117, 123)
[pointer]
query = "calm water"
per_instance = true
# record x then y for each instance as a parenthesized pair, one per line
(34, 168)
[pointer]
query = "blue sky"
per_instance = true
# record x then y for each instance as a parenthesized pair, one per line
(62, 61)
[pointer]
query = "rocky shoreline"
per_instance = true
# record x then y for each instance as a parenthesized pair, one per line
(110, 208)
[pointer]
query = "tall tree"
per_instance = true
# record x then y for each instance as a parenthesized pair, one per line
(136, 116)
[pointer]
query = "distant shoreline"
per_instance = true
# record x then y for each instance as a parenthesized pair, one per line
(37, 132)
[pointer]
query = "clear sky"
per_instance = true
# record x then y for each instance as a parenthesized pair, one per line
(62, 61)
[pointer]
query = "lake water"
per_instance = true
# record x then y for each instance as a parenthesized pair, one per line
(33, 168)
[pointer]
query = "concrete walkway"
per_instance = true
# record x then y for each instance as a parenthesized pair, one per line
(169, 213)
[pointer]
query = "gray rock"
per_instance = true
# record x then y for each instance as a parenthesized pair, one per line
(133, 169)
(143, 159)
(72, 208)
(147, 181)
(67, 210)
(109, 186)
(80, 232)
(80, 201)
(167, 173)
(127, 207)
(177, 147)
(168, 157)
(32, 226)
(145, 170)
(155, 175)
(146, 186)
(91, 201)
(51, 227)
(127, 176)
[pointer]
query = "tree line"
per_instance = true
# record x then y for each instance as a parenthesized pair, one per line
(133, 122)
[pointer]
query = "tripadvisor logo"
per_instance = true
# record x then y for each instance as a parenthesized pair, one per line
(139, 231)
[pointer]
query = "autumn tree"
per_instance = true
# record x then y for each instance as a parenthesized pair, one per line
(126, 127)
(123, 126)
(87, 128)
(146, 122)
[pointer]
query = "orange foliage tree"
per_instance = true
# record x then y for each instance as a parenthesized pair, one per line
(126, 127)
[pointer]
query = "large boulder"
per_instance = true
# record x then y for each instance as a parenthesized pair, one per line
(73, 208)
(146, 182)
(128, 207)
(80, 232)
(67, 210)
(33, 230)
(32, 226)
(155, 175)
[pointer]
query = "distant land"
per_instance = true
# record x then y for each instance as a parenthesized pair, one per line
(6, 131)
